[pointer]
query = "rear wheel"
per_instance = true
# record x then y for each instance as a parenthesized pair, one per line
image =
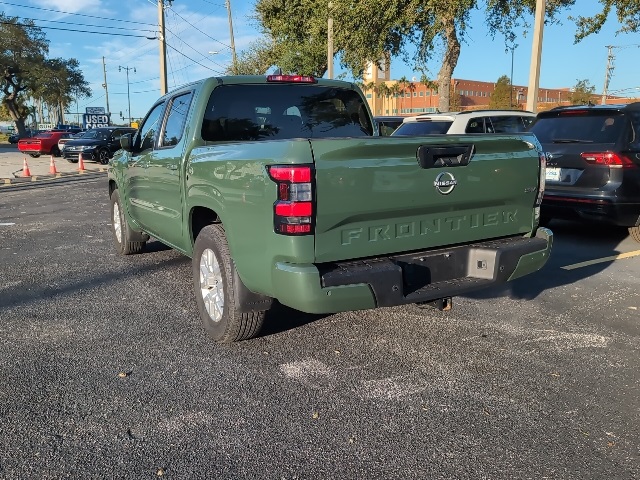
(34, 155)
(213, 271)
(55, 151)
(126, 240)
(634, 232)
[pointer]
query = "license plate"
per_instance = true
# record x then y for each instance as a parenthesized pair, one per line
(553, 174)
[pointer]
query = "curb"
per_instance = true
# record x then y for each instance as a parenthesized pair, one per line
(23, 181)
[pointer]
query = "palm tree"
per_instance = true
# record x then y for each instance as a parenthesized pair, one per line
(404, 81)
(383, 91)
(430, 84)
(394, 90)
(412, 88)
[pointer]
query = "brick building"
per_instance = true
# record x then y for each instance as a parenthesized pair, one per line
(415, 97)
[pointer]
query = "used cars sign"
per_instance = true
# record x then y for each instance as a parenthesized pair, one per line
(95, 121)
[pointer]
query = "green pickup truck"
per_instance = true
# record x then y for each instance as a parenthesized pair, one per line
(280, 188)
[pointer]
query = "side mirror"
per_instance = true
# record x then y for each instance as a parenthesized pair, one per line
(125, 143)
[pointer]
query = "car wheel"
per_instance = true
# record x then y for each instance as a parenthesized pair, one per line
(34, 155)
(126, 240)
(634, 232)
(103, 156)
(213, 272)
(72, 160)
(55, 151)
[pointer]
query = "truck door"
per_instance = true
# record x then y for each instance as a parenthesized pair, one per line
(158, 193)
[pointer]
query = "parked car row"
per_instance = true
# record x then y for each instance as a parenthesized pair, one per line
(593, 155)
(97, 144)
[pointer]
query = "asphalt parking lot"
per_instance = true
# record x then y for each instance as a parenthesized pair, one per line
(106, 372)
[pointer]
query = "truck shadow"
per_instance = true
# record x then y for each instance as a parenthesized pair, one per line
(281, 318)
(573, 243)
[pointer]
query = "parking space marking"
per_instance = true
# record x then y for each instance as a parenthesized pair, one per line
(6, 224)
(620, 256)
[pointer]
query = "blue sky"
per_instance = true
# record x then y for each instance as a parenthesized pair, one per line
(197, 27)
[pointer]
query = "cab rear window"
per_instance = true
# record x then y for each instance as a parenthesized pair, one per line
(282, 111)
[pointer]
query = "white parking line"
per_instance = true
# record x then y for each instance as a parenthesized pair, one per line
(6, 224)
(602, 260)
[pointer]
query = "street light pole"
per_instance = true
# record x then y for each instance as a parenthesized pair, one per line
(513, 47)
(120, 68)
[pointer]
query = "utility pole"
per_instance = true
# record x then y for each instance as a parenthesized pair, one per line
(234, 65)
(607, 73)
(330, 43)
(106, 89)
(536, 56)
(120, 68)
(163, 50)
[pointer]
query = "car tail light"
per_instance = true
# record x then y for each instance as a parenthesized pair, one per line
(291, 78)
(293, 212)
(609, 159)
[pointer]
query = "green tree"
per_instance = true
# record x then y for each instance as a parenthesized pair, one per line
(27, 73)
(370, 30)
(394, 91)
(412, 88)
(257, 59)
(501, 98)
(403, 82)
(582, 93)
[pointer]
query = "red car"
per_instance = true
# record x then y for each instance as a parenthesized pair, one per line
(44, 143)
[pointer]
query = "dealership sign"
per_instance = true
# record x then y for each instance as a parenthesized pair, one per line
(95, 120)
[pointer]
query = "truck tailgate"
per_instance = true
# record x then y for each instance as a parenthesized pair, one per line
(374, 197)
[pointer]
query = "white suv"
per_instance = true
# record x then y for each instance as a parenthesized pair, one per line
(470, 121)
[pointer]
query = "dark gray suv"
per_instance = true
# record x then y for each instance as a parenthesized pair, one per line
(593, 164)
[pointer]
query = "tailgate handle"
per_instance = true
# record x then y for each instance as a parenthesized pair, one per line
(436, 156)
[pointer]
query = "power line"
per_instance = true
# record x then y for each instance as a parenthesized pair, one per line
(79, 31)
(194, 61)
(87, 25)
(77, 14)
(196, 28)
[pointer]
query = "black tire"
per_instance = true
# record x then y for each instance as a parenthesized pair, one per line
(55, 151)
(634, 233)
(126, 241)
(34, 155)
(103, 156)
(231, 325)
(72, 160)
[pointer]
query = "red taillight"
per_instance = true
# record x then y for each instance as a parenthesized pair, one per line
(291, 78)
(573, 112)
(609, 159)
(290, 174)
(293, 212)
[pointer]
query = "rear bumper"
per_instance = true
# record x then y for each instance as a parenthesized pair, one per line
(409, 278)
(611, 210)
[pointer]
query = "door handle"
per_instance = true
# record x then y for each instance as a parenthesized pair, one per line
(437, 156)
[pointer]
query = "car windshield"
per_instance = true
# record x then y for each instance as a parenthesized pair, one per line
(587, 127)
(95, 134)
(422, 128)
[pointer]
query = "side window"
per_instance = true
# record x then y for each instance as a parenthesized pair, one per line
(176, 120)
(147, 133)
(506, 124)
(475, 125)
